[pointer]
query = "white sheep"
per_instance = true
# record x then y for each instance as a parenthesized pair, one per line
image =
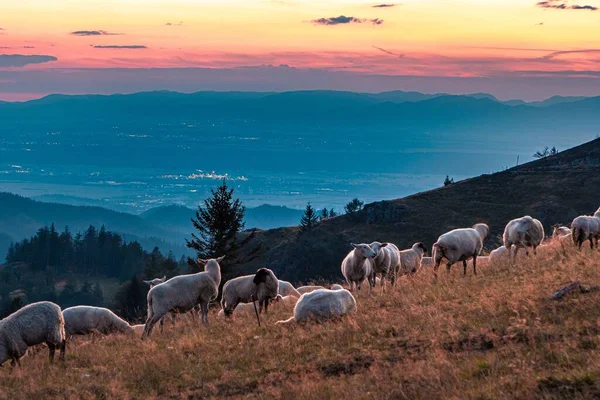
(158, 281)
(562, 234)
(261, 287)
(358, 266)
(386, 262)
(427, 262)
(586, 228)
(155, 281)
(460, 245)
(287, 289)
(83, 320)
(410, 260)
(499, 255)
(524, 232)
(33, 324)
(322, 304)
(308, 289)
(182, 293)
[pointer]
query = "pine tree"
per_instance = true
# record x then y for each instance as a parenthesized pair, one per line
(324, 214)
(353, 206)
(309, 219)
(130, 300)
(217, 225)
(332, 213)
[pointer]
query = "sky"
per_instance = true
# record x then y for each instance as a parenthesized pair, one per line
(511, 48)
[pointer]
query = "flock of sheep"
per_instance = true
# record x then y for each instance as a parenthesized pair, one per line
(45, 322)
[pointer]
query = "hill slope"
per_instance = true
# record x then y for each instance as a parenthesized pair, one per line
(553, 190)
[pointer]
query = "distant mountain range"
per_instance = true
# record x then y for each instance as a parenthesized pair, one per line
(166, 227)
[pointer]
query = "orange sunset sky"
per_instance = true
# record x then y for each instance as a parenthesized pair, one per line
(64, 40)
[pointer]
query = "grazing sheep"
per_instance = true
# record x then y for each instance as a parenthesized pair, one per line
(287, 289)
(427, 262)
(138, 329)
(460, 245)
(410, 260)
(386, 262)
(156, 281)
(523, 232)
(358, 265)
(182, 293)
(83, 320)
(322, 304)
(308, 289)
(559, 231)
(586, 228)
(336, 287)
(33, 324)
(261, 287)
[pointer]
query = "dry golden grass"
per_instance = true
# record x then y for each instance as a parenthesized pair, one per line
(490, 336)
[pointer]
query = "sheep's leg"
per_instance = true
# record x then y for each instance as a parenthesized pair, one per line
(592, 243)
(475, 265)
(435, 267)
(150, 322)
(266, 306)
(535, 250)
(15, 362)
(173, 318)
(162, 325)
(51, 351)
(63, 348)
(204, 307)
(515, 254)
(465, 267)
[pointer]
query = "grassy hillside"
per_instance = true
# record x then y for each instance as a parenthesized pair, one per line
(556, 189)
(491, 336)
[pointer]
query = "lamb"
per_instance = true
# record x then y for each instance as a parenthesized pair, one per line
(562, 234)
(33, 324)
(182, 293)
(322, 304)
(287, 289)
(499, 255)
(261, 287)
(523, 232)
(83, 320)
(386, 262)
(358, 265)
(308, 289)
(460, 245)
(410, 260)
(586, 228)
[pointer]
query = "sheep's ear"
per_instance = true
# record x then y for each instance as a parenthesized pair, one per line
(202, 262)
(148, 282)
(355, 245)
(220, 259)
(164, 278)
(384, 244)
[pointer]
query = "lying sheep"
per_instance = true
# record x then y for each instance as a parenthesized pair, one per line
(524, 232)
(322, 304)
(410, 260)
(248, 308)
(308, 289)
(261, 287)
(460, 245)
(586, 228)
(358, 265)
(83, 320)
(386, 261)
(182, 293)
(499, 255)
(287, 289)
(33, 324)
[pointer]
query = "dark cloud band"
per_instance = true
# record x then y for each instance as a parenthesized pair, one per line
(93, 33)
(21, 60)
(342, 20)
(113, 46)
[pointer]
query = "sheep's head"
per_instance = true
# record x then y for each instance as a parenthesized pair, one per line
(377, 246)
(266, 276)
(421, 246)
(203, 261)
(276, 299)
(482, 229)
(156, 281)
(364, 250)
